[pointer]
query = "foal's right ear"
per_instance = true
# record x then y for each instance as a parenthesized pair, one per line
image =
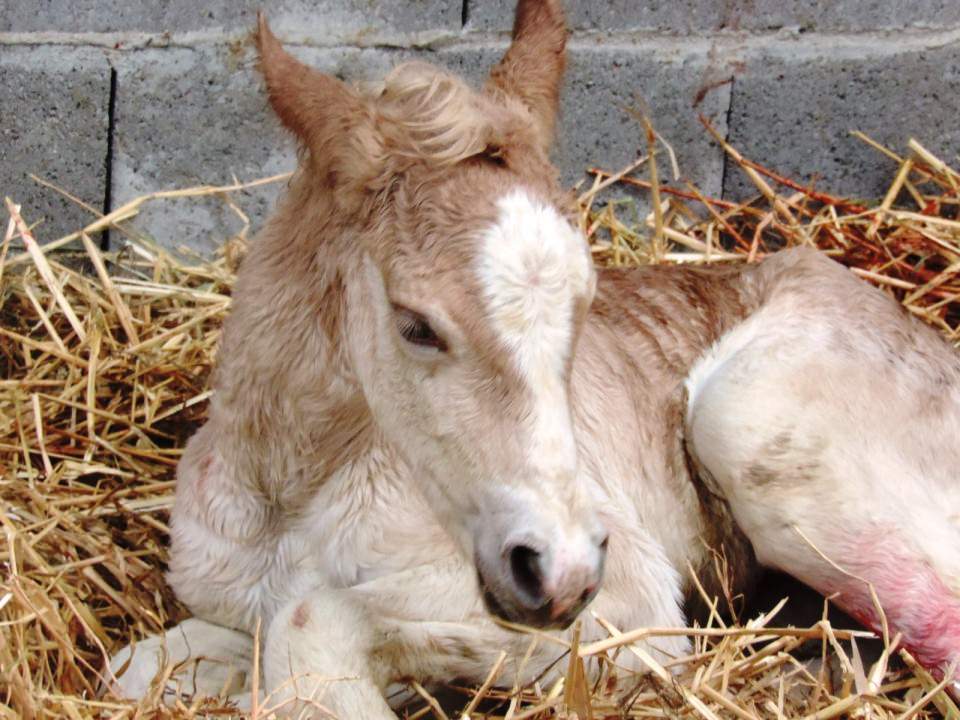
(316, 107)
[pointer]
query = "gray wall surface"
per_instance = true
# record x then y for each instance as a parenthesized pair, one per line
(110, 100)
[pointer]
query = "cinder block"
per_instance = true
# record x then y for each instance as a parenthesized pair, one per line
(193, 117)
(703, 16)
(669, 16)
(53, 124)
(607, 86)
(319, 21)
(200, 117)
(841, 15)
(604, 89)
(795, 113)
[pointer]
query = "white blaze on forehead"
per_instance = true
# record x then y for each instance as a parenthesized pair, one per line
(533, 267)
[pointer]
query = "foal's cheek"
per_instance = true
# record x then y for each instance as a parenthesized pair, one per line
(434, 396)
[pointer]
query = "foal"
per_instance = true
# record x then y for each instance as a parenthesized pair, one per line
(430, 407)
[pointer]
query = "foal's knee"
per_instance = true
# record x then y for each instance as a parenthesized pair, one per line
(325, 631)
(320, 658)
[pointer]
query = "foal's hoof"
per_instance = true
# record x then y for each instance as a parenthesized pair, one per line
(205, 660)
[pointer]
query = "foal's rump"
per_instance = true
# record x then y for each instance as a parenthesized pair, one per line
(828, 419)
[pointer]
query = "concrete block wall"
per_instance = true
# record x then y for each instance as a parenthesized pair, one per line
(115, 99)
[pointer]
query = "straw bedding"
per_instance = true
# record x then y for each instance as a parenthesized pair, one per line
(104, 362)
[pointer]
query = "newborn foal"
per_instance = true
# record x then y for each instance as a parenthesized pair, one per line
(430, 407)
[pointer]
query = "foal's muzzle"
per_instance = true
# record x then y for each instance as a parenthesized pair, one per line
(545, 588)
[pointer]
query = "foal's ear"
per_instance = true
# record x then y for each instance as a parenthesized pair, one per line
(316, 107)
(533, 66)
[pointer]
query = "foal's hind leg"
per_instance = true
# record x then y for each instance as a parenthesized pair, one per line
(833, 436)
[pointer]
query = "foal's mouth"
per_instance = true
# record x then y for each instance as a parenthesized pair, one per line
(540, 617)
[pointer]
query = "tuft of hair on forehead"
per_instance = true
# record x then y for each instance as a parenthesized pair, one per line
(431, 114)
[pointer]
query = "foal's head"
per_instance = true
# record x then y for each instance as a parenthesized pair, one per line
(465, 285)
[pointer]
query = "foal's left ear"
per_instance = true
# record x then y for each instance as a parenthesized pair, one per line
(532, 68)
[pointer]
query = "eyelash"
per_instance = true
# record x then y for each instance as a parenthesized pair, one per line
(415, 329)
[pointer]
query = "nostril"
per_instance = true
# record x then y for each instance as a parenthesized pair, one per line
(527, 573)
(604, 543)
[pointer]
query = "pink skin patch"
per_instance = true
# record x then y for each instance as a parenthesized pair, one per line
(204, 472)
(301, 615)
(915, 600)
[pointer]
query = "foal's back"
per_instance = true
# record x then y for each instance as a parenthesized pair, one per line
(811, 393)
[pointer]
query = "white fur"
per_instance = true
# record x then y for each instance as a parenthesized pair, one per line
(382, 582)
(715, 359)
(384, 593)
(533, 267)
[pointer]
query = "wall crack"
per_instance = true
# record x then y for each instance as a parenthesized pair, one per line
(108, 160)
(726, 136)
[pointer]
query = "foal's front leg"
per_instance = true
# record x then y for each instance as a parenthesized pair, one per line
(193, 659)
(337, 650)
(321, 652)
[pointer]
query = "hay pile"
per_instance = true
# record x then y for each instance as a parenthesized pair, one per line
(104, 360)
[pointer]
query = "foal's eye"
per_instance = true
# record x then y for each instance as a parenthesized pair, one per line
(417, 331)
